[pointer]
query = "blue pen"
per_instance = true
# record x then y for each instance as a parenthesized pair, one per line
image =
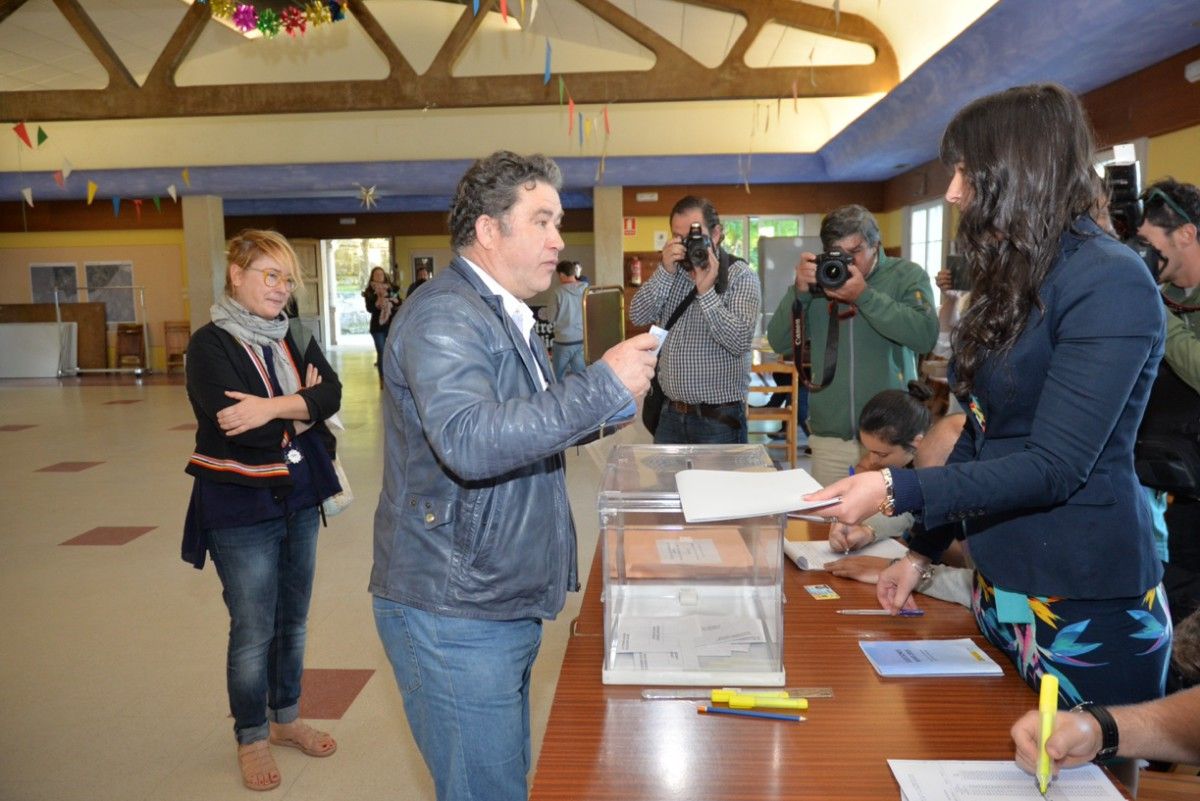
(747, 713)
(882, 612)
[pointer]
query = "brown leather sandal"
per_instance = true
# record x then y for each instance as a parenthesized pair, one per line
(298, 734)
(259, 771)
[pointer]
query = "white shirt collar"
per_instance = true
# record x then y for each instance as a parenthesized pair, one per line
(517, 310)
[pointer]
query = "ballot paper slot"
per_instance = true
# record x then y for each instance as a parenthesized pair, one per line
(687, 603)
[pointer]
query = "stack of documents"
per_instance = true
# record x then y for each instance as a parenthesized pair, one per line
(708, 495)
(929, 658)
(674, 643)
(816, 554)
(948, 780)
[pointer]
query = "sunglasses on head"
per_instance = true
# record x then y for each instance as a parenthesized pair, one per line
(1156, 193)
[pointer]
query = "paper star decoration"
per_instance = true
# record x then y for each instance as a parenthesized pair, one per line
(367, 196)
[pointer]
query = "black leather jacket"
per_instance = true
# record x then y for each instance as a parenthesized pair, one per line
(473, 518)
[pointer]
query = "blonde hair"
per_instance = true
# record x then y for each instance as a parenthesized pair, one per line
(252, 243)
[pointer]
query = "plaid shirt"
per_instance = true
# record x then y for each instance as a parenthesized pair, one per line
(706, 357)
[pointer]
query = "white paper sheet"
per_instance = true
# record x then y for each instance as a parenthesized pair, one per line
(708, 495)
(948, 780)
(816, 554)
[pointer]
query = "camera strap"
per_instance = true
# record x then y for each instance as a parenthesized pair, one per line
(799, 339)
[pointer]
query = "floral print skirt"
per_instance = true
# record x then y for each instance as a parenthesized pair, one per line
(1110, 651)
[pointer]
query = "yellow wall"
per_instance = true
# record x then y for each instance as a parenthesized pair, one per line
(643, 240)
(158, 261)
(1175, 154)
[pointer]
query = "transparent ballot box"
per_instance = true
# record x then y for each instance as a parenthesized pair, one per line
(687, 603)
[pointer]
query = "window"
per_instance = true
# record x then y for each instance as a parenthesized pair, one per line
(926, 227)
(742, 233)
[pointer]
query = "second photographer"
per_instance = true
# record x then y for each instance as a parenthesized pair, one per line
(886, 321)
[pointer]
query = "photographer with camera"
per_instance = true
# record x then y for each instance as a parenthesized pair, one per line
(1170, 217)
(709, 301)
(885, 321)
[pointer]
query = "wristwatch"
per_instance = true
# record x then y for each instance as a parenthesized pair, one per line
(888, 506)
(1109, 736)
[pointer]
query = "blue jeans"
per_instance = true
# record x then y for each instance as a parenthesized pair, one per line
(676, 428)
(266, 572)
(465, 685)
(380, 339)
(568, 359)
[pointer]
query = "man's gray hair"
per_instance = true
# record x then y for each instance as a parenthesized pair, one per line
(490, 187)
(847, 221)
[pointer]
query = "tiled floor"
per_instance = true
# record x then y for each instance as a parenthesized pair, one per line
(112, 682)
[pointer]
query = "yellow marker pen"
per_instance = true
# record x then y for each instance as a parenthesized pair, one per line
(766, 702)
(722, 696)
(1047, 708)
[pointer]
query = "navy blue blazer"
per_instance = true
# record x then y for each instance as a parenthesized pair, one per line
(1043, 486)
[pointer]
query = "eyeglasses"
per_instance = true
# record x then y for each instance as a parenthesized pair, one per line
(272, 278)
(1166, 199)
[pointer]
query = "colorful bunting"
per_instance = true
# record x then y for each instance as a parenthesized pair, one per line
(19, 130)
(27, 193)
(157, 203)
(367, 196)
(91, 192)
(337, 10)
(607, 128)
(570, 115)
(546, 75)
(42, 136)
(187, 177)
(475, 5)
(116, 201)
(137, 207)
(562, 89)
(60, 179)
(222, 9)
(67, 169)
(317, 13)
(580, 126)
(504, 11)
(172, 193)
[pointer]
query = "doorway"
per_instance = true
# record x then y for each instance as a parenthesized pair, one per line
(349, 263)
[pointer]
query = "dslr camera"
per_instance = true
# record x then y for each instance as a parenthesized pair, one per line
(696, 246)
(833, 270)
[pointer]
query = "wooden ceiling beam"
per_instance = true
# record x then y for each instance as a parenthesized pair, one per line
(675, 76)
(118, 73)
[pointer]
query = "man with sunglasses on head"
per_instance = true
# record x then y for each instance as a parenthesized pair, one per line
(885, 321)
(1170, 220)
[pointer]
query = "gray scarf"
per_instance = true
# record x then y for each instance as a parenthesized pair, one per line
(246, 326)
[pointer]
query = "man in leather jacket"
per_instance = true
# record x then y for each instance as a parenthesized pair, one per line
(474, 542)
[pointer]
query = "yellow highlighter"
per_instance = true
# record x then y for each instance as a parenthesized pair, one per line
(1047, 708)
(738, 701)
(722, 696)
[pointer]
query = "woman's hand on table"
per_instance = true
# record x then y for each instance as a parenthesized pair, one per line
(845, 538)
(860, 568)
(897, 582)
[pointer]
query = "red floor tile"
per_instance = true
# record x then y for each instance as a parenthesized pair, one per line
(109, 535)
(328, 693)
(116, 402)
(67, 467)
(17, 427)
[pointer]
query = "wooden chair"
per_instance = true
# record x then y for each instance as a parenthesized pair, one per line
(785, 414)
(176, 335)
(131, 345)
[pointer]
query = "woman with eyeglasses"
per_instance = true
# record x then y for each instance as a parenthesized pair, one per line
(262, 466)
(1053, 361)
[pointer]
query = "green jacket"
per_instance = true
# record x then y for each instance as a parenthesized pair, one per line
(1183, 336)
(877, 347)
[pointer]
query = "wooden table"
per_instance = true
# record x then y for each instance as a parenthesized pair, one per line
(605, 742)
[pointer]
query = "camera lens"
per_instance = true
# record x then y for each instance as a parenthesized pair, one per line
(833, 269)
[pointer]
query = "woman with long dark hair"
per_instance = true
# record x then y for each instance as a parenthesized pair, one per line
(1053, 361)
